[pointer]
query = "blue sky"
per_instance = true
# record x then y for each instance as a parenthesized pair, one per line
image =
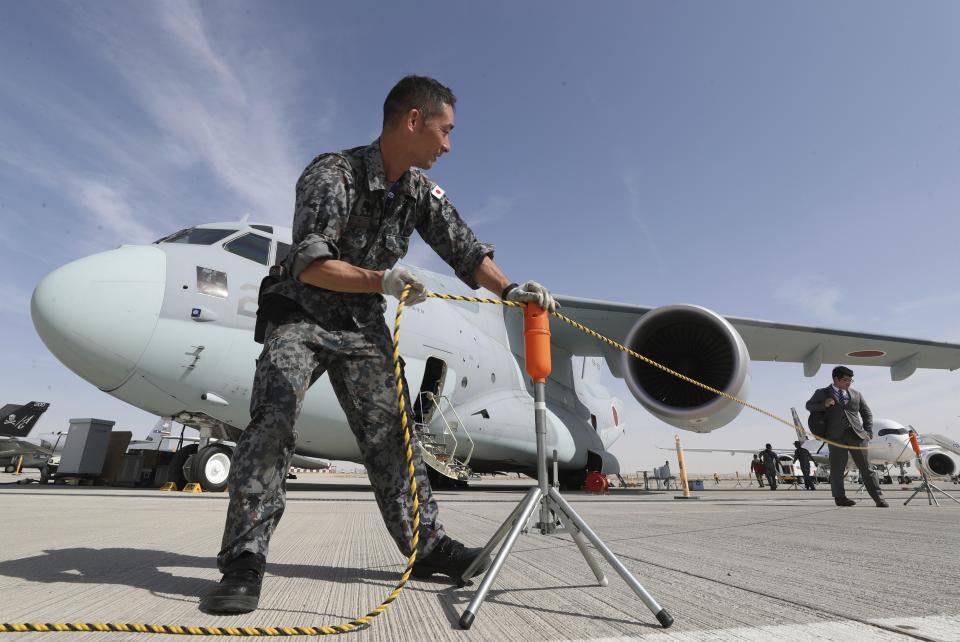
(795, 162)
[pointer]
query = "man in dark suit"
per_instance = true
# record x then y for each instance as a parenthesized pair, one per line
(848, 422)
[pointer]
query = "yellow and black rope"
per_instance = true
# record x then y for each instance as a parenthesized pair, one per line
(251, 631)
(364, 620)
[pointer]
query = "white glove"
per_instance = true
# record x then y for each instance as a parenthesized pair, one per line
(397, 278)
(533, 292)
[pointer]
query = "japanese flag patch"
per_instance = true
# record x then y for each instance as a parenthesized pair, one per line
(437, 192)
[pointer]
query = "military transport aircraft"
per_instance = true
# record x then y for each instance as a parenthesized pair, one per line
(168, 328)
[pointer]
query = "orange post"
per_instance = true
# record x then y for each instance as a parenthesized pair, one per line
(683, 469)
(536, 335)
(914, 443)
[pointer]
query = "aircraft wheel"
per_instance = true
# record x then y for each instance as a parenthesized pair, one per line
(211, 467)
(177, 472)
(9, 469)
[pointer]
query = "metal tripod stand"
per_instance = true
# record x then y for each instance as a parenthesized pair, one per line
(927, 486)
(552, 506)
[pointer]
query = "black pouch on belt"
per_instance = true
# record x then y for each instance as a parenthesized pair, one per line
(271, 307)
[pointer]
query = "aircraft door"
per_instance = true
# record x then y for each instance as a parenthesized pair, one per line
(434, 384)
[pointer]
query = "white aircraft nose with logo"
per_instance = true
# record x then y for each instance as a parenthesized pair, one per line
(97, 314)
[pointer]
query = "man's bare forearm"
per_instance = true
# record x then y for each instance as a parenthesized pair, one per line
(490, 276)
(340, 276)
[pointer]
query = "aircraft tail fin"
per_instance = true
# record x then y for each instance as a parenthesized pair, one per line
(18, 421)
(161, 430)
(590, 369)
(798, 426)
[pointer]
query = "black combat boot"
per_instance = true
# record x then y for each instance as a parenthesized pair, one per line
(844, 501)
(450, 558)
(881, 502)
(239, 590)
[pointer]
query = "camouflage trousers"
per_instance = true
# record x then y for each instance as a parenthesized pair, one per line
(360, 365)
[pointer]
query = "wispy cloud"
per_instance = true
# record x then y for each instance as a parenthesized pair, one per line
(174, 107)
(636, 212)
(927, 304)
(110, 209)
(493, 210)
(215, 106)
(15, 297)
(816, 296)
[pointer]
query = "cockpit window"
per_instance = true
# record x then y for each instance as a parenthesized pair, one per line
(250, 246)
(892, 431)
(283, 249)
(197, 236)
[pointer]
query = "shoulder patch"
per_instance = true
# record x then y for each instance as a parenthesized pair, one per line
(437, 192)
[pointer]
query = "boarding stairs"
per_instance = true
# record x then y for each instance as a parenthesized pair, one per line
(441, 434)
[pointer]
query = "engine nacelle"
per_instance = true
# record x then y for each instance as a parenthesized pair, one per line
(697, 343)
(938, 464)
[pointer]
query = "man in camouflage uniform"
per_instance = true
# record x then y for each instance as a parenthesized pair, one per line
(355, 212)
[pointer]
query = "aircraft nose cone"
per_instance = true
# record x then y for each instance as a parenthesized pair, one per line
(97, 314)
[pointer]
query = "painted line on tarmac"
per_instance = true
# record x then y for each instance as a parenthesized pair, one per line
(934, 628)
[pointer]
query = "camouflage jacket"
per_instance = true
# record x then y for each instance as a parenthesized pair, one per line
(343, 212)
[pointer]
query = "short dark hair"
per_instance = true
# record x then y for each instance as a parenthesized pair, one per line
(842, 371)
(768, 446)
(416, 92)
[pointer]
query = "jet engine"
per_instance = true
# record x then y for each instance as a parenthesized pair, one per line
(695, 342)
(937, 464)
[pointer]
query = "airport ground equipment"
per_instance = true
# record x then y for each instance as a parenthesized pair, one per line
(925, 484)
(86, 448)
(553, 508)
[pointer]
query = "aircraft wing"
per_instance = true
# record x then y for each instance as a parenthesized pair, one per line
(929, 442)
(765, 340)
(13, 447)
(732, 451)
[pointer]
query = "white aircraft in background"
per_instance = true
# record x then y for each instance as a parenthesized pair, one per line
(168, 328)
(890, 446)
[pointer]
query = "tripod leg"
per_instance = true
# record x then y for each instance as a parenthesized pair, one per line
(582, 545)
(492, 543)
(529, 503)
(663, 617)
(943, 492)
(919, 488)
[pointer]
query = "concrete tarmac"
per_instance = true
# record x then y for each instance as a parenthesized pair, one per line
(739, 563)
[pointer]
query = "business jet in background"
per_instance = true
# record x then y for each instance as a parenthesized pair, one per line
(168, 328)
(889, 447)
